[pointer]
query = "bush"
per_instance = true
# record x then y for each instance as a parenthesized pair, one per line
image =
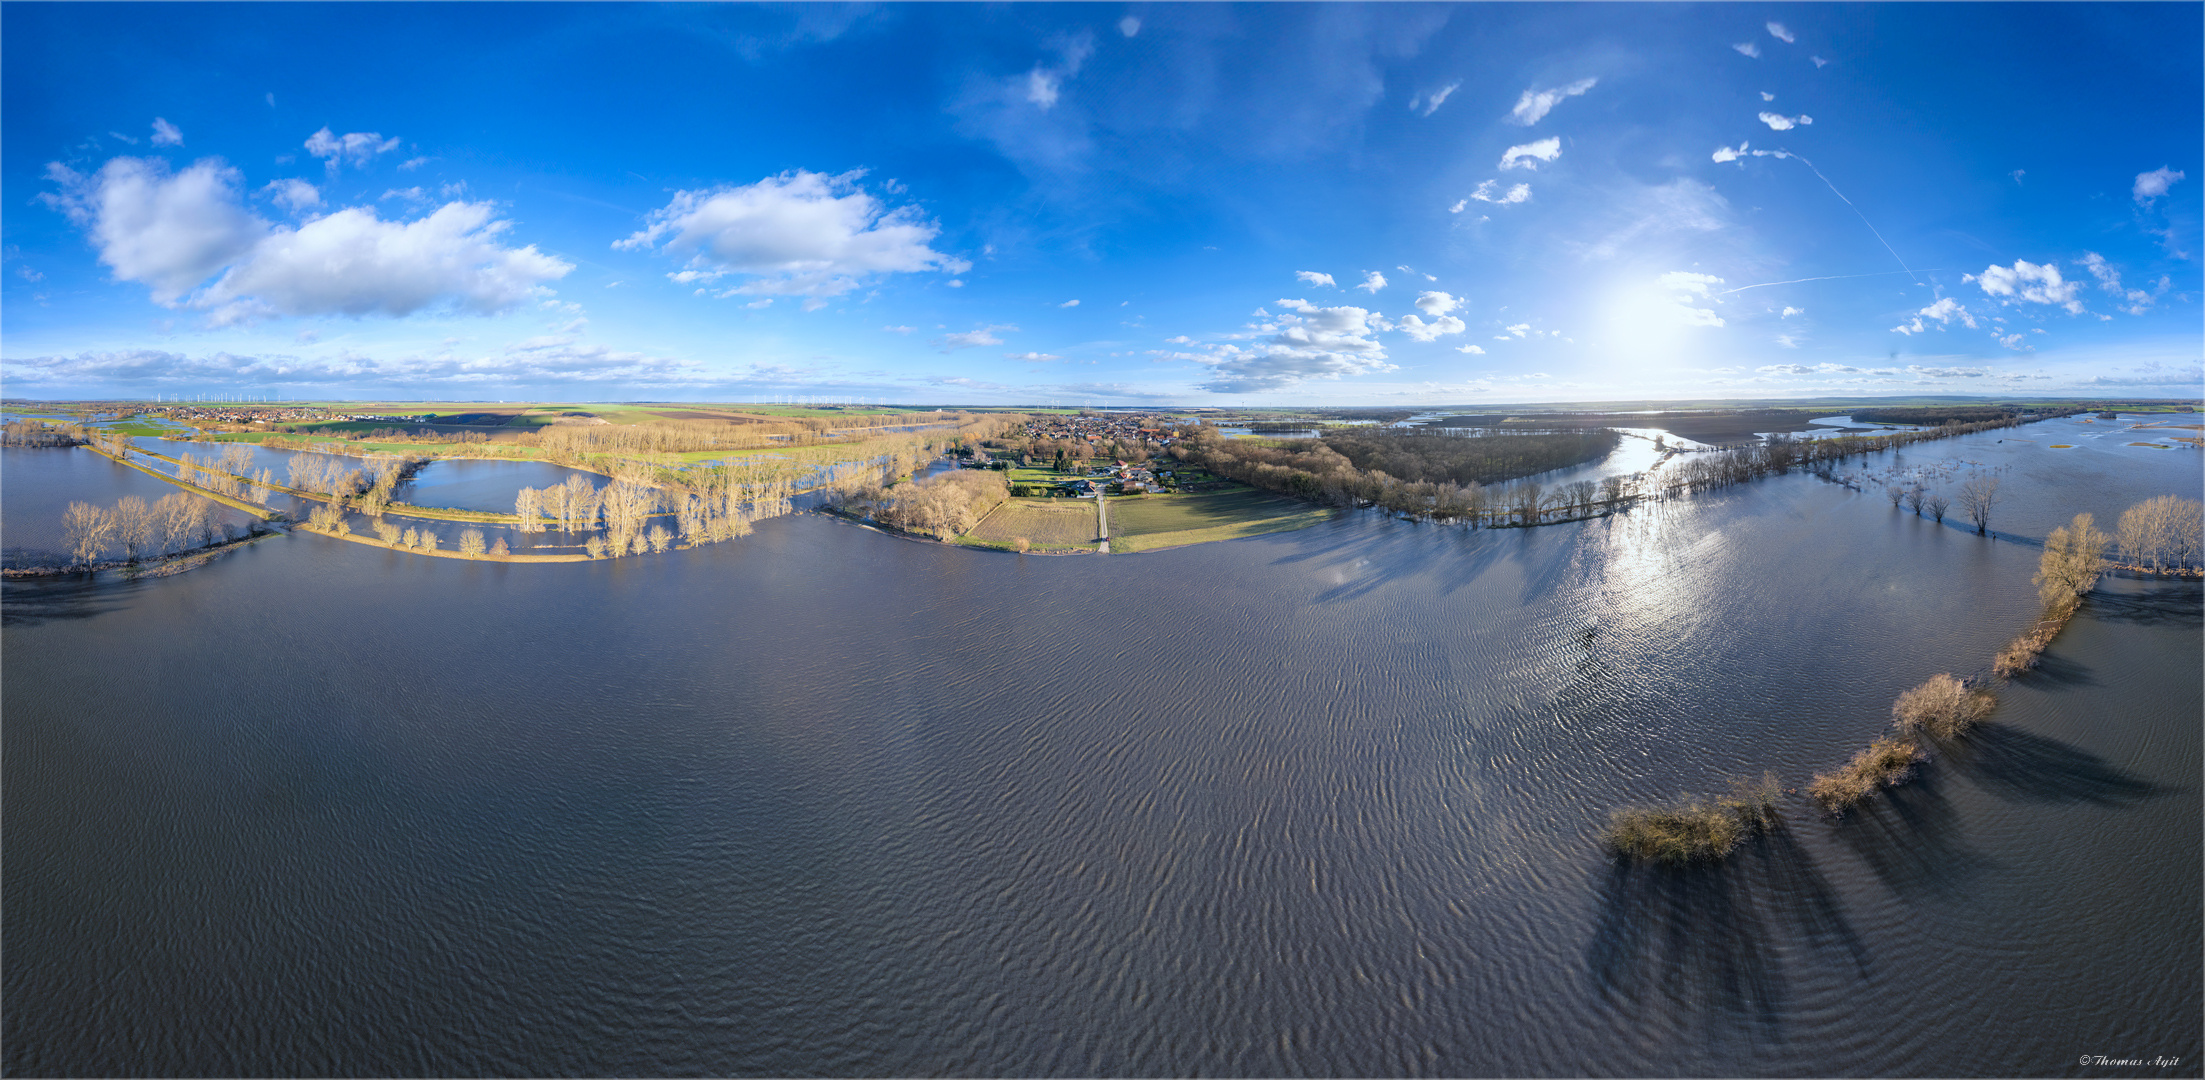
(1945, 707)
(1886, 763)
(595, 547)
(1022, 545)
(1693, 830)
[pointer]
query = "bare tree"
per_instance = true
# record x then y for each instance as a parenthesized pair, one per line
(2161, 533)
(1896, 494)
(470, 542)
(134, 526)
(1938, 503)
(1977, 498)
(1915, 496)
(87, 529)
(525, 507)
(387, 532)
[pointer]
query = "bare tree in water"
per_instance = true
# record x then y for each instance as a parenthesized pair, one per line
(1977, 498)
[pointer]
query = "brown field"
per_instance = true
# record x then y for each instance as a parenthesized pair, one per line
(1048, 523)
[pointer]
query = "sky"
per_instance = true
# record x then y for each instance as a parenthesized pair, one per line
(1101, 204)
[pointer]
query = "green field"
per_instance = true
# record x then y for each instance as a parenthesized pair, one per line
(1049, 524)
(1148, 522)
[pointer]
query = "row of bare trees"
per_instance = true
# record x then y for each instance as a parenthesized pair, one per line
(41, 433)
(175, 523)
(2162, 535)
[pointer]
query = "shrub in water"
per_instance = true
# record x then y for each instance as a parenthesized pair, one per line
(1886, 763)
(1945, 707)
(1693, 830)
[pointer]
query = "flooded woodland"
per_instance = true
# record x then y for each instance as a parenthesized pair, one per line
(1325, 802)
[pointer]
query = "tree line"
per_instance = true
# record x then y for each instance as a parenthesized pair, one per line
(173, 524)
(41, 433)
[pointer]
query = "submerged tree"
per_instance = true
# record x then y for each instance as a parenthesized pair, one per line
(1977, 498)
(87, 529)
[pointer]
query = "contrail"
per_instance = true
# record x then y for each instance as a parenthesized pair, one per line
(1833, 277)
(1780, 152)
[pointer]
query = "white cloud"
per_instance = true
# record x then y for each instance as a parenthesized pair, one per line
(1490, 192)
(1129, 26)
(173, 233)
(1311, 277)
(969, 339)
(1766, 96)
(1430, 104)
(2132, 301)
(1032, 357)
(1519, 329)
(1041, 88)
(797, 234)
(2016, 342)
(1945, 310)
(168, 232)
(2151, 185)
(955, 283)
(358, 147)
(1818, 61)
(1372, 282)
(1529, 155)
(412, 194)
(1787, 341)
(1420, 330)
(293, 195)
(1310, 343)
(1724, 154)
(1471, 349)
(1780, 122)
(2017, 174)
(410, 164)
(1785, 369)
(1777, 31)
(1948, 373)
(1536, 104)
(1436, 303)
(1069, 303)
(2029, 282)
(1688, 282)
(1693, 316)
(897, 329)
(1044, 83)
(1749, 48)
(166, 134)
(1460, 205)
(1183, 339)
(1791, 311)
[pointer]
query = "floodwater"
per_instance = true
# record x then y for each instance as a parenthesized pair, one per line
(822, 801)
(489, 486)
(37, 484)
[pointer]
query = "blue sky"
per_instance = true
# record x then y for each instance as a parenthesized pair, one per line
(1102, 203)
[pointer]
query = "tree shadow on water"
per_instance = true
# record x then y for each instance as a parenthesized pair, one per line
(80, 596)
(2176, 608)
(2014, 764)
(1711, 941)
(1910, 838)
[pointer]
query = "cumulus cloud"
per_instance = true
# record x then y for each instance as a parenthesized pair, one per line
(1429, 104)
(166, 134)
(2028, 282)
(1459, 207)
(174, 232)
(358, 147)
(1785, 369)
(1032, 357)
(1780, 122)
(1945, 310)
(1777, 31)
(1311, 277)
(551, 361)
(1420, 330)
(797, 234)
(1536, 104)
(1529, 155)
(1436, 303)
(294, 195)
(1306, 343)
(1491, 192)
(1749, 49)
(1129, 26)
(1372, 282)
(970, 339)
(2151, 185)
(1947, 373)
(1069, 303)
(1724, 154)
(1791, 311)
(1471, 349)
